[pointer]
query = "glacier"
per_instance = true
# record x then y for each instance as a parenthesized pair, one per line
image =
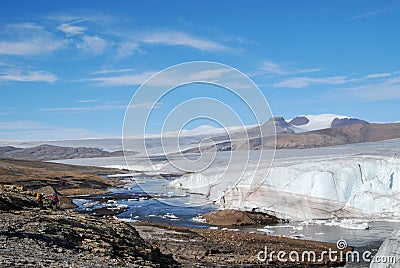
(303, 188)
(349, 181)
(388, 253)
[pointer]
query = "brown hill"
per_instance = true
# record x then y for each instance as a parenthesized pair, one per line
(67, 179)
(50, 152)
(340, 135)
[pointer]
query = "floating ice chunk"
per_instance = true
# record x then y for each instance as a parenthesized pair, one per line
(349, 224)
(199, 219)
(266, 231)
(171, 216)
(278, 226)
(298, 228)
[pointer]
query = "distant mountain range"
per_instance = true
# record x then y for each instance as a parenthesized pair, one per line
(339, 135)
(305, 132)
(50, 152)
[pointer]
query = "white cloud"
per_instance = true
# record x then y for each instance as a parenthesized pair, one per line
(146, 105)
(110, 106)
(20, 125)
(32, 130)
(270, 67)
(168, 79)
(373, 13)
(376, 92)
(378, 75)
(127, 49)
(301, 82)
(28, 39)
(71, 29)
(85, 109)
(92, 44)
(173, 38)
(121, 80)
(274, 68)
(172, 77)
(28, 76)
(85, 101)
(311, 70)
(395, 80)
(35, 46)
(110, 71)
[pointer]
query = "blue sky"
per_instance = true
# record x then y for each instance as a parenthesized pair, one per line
(69, 68)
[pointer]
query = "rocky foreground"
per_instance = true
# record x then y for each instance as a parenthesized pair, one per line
(228, 248)
(33, 237)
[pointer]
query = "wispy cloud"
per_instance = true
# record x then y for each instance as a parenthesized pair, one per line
(128, 48)
(85, 109)
(111, 71)
(394, 80)
(6, 110)
(378, 75)
(92, 44)
(21, 125)
(270, 67)
(174, 38)
(385, 90)
(71, 29)
(93, 34)
(310, 70)
(32, 130)
(35, 46)
(85, 101)
(104, 107)
(374, 12)
(28, 39)
(27, 76)
(301, 82)
(120, 80)
(171, 78)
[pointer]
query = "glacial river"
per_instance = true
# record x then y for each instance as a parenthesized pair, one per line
(162, 205)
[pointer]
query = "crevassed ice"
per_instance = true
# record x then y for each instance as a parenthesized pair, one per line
(348, 186)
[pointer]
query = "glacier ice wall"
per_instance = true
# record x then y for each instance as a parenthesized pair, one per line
(348, 186)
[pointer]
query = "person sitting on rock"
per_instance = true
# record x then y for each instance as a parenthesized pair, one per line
(54, 201)
(39, 199)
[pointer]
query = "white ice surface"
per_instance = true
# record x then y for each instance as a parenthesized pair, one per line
(389, 250)
(351, 181)
(320, 121)
(316, 186)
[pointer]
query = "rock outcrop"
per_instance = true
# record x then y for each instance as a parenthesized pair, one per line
(46, 152)
(230, 217)
(31, 237)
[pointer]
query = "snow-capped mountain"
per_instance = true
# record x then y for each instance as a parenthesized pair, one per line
(323, 121)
